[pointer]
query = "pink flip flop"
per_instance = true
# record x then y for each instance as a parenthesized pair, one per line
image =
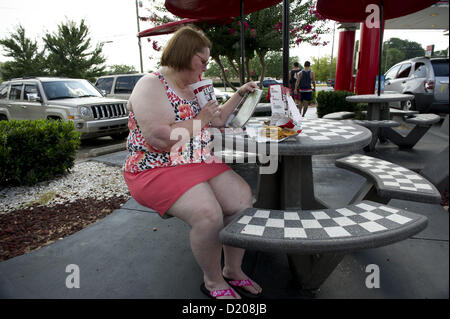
(238, 284)
(217, 293)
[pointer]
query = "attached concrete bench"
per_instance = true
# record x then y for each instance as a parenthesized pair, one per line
(422, 122)
(386, 181)
(375, 127)
(403, 113)
(317, 240)
(344, 115)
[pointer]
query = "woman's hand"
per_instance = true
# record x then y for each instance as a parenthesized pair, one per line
(208, 112)
(247, 87)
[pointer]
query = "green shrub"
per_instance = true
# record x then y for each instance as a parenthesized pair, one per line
(333, 101)
(35, 151)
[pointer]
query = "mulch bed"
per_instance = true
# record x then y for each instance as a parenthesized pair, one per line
(24, 230)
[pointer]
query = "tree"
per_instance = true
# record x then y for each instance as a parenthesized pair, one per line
(121, 69)
(69, 52)
(28, 60)
(403, 50)
(321, 68)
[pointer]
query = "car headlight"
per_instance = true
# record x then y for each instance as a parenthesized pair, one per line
(84, 111)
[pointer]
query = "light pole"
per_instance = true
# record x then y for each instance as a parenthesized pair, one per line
(139, 39)
(331, 61)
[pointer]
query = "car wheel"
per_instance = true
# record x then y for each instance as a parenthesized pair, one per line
(3, 117)
(409, 105)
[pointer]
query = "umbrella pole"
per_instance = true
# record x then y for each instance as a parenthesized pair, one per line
(242, 45)
(380, 52)
(286, 43)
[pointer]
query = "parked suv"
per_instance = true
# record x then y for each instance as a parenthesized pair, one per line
(65, 99)
(118, 85)
(426, 79)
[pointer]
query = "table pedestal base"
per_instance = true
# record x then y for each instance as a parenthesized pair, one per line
(311, 271)
(290, 188)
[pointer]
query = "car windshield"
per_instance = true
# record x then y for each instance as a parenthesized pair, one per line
(69, 89)
(440, 67)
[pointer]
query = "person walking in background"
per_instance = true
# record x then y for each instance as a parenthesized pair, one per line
(303, 85)
(293, 75)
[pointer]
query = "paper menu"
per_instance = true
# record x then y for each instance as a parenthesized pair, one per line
(276, 100)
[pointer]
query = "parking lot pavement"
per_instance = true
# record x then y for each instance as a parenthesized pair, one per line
(133, 253)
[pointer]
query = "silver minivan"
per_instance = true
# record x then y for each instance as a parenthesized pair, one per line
(425, 78)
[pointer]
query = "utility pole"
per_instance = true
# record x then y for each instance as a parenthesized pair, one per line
(331, 61)
(139, 39)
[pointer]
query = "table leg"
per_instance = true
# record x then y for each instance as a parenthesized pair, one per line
(268, 190)
(297, 188)
(311, 271)
(408, 141)
(291, 187)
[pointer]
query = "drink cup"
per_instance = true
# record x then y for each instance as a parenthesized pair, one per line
(287, 122)
(204, 91)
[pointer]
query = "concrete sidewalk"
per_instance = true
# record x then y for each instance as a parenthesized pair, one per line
(133, 253)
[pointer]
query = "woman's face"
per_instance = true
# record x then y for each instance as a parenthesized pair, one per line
(199, 63)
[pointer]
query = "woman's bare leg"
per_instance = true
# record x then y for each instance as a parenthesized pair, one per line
(199, 208)
(234, 195)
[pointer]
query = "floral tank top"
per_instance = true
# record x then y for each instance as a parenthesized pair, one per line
(142, 156)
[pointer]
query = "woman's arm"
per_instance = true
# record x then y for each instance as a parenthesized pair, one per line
(156, 119)
(230, 105)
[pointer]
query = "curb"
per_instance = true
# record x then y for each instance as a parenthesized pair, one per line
(103, 150)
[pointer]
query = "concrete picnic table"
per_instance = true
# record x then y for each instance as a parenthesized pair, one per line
(378, 105)
(378, 112)
(292, 185)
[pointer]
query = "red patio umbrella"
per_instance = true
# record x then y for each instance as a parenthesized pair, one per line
(218, 9)
(171, 27)
(215, 8)
(355, 11)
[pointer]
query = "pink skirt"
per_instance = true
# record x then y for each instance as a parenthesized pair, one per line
(160, 188)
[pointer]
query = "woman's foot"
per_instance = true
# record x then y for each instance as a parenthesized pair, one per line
(241, 282)
(219, 290)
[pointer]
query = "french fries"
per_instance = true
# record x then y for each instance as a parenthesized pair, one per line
(278, 133)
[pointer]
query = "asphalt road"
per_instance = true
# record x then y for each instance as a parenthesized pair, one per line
(99, 146)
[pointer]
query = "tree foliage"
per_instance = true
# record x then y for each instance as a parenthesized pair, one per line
(66, 52)
(120, 69)
(396, 50)
(70, 54)
(28, 60)
(321, 68)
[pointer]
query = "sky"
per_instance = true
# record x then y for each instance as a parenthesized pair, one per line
(114, 22)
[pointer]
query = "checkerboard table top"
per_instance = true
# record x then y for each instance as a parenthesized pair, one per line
(318, 136)
(363, 225)
(392, 180)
